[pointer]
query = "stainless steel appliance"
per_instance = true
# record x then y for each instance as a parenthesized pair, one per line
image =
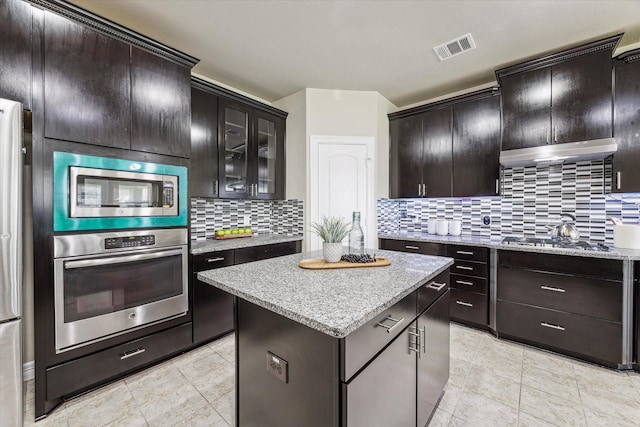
(556, 243)
(93, 193)
(11, 162)
(106, 284)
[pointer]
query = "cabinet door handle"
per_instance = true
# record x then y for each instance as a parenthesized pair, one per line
(132, 353)
(552, 326)
(464, 267)
(464, 253)
(498, 186)
(551, 288)
(390, 329)
(618, 180)
(415, 248)
(419, 190)
(420, 341)
(437, 286)
(215, 187)
(424, 190)
(555, 134)
(466, 304)
(546, 134)
(215, 259)
(464, 282)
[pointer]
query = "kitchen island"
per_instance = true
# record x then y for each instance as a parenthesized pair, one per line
(347, 347)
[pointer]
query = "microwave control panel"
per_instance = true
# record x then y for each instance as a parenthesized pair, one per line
(129, 241)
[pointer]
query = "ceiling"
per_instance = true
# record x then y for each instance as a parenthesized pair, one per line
(271, 49)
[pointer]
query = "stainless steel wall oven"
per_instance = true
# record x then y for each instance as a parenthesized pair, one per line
(106, 284)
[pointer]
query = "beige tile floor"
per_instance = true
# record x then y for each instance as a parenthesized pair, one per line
(493, 383)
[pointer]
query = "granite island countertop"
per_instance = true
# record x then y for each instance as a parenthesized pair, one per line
(336, 301)
(213, 245)
(496, 243)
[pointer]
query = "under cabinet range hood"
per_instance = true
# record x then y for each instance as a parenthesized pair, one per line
(569, 152)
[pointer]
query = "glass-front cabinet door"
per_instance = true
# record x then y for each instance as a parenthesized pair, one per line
(268, 167)
(234, 149)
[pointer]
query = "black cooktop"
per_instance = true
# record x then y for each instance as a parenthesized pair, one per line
(556, 243)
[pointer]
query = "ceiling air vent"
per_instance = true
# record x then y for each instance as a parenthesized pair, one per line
(455, 47)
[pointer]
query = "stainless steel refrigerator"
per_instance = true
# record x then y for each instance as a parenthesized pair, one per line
(11, 162)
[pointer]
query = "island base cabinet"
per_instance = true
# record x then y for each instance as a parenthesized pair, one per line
(384, 394)
(310, 397)
(433, 358)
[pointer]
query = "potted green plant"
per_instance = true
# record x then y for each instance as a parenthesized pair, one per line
(332, 230)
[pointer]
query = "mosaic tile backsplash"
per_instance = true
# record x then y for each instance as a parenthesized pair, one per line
(283, 217)
(532, 197)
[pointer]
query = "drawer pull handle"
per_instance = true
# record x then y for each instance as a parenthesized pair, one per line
(412, 247)
(552, 326)
(466, 304)
(464, 282)
(464, 267)
(392, 327)
(437, 286)
(215, 259)
(464, 252)
(551, 288)
(132, 353)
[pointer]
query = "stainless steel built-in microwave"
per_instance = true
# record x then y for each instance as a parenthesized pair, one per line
(99, 192)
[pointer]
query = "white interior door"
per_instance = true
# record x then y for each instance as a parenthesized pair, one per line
(342, 182)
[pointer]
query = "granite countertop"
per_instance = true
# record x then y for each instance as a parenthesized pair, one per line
(336, 301)
(496, 242)
(212, 245)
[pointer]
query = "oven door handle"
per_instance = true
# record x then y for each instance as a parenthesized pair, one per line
(95, 262)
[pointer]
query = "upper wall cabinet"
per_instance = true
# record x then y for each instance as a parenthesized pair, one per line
(626, 174)
(160, 105)
(564, 97)
(106, 85)
(15, 51)
(251, 151)
(476, 147)
(449, 148)
(237, 145)
(203, 172)
(87, 88)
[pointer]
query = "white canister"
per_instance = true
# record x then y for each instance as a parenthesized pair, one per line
(442, 227)
(455, 227)
(626, 236)
(431, 226)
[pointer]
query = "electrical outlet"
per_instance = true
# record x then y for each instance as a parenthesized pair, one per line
(278, 367)
(246, 222)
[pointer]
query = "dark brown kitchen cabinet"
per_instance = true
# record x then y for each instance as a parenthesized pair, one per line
(160, 105)
(572, 305)
(405, 165)
(626, 122)
(203, 171)
(476, 147)
(448, 148)
(251, 152)
(15, 51)
(420, 157)
(212, 307)
(87, 87)
(563, 97)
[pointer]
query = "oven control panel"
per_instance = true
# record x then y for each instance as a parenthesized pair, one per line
(129, 241)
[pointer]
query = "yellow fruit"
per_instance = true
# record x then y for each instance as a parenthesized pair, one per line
(220, 233)
(234, 231)
(227, 231)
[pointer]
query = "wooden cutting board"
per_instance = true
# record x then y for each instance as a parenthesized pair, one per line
(321, 264)
(233, 236)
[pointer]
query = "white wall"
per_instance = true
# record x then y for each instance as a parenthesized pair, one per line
(336, 113)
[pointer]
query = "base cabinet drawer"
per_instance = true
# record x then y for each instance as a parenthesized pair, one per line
(469, 307)
(257, 253)
(586, 337)
(469, 283)
(580, 295)
(425, 248)
(97, 368)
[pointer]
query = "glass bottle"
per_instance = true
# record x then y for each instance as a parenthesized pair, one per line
(356, 236)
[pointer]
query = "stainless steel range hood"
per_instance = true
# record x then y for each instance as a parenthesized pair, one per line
(569, 152)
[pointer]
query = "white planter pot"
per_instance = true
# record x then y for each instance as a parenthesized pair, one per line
(332, 251)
